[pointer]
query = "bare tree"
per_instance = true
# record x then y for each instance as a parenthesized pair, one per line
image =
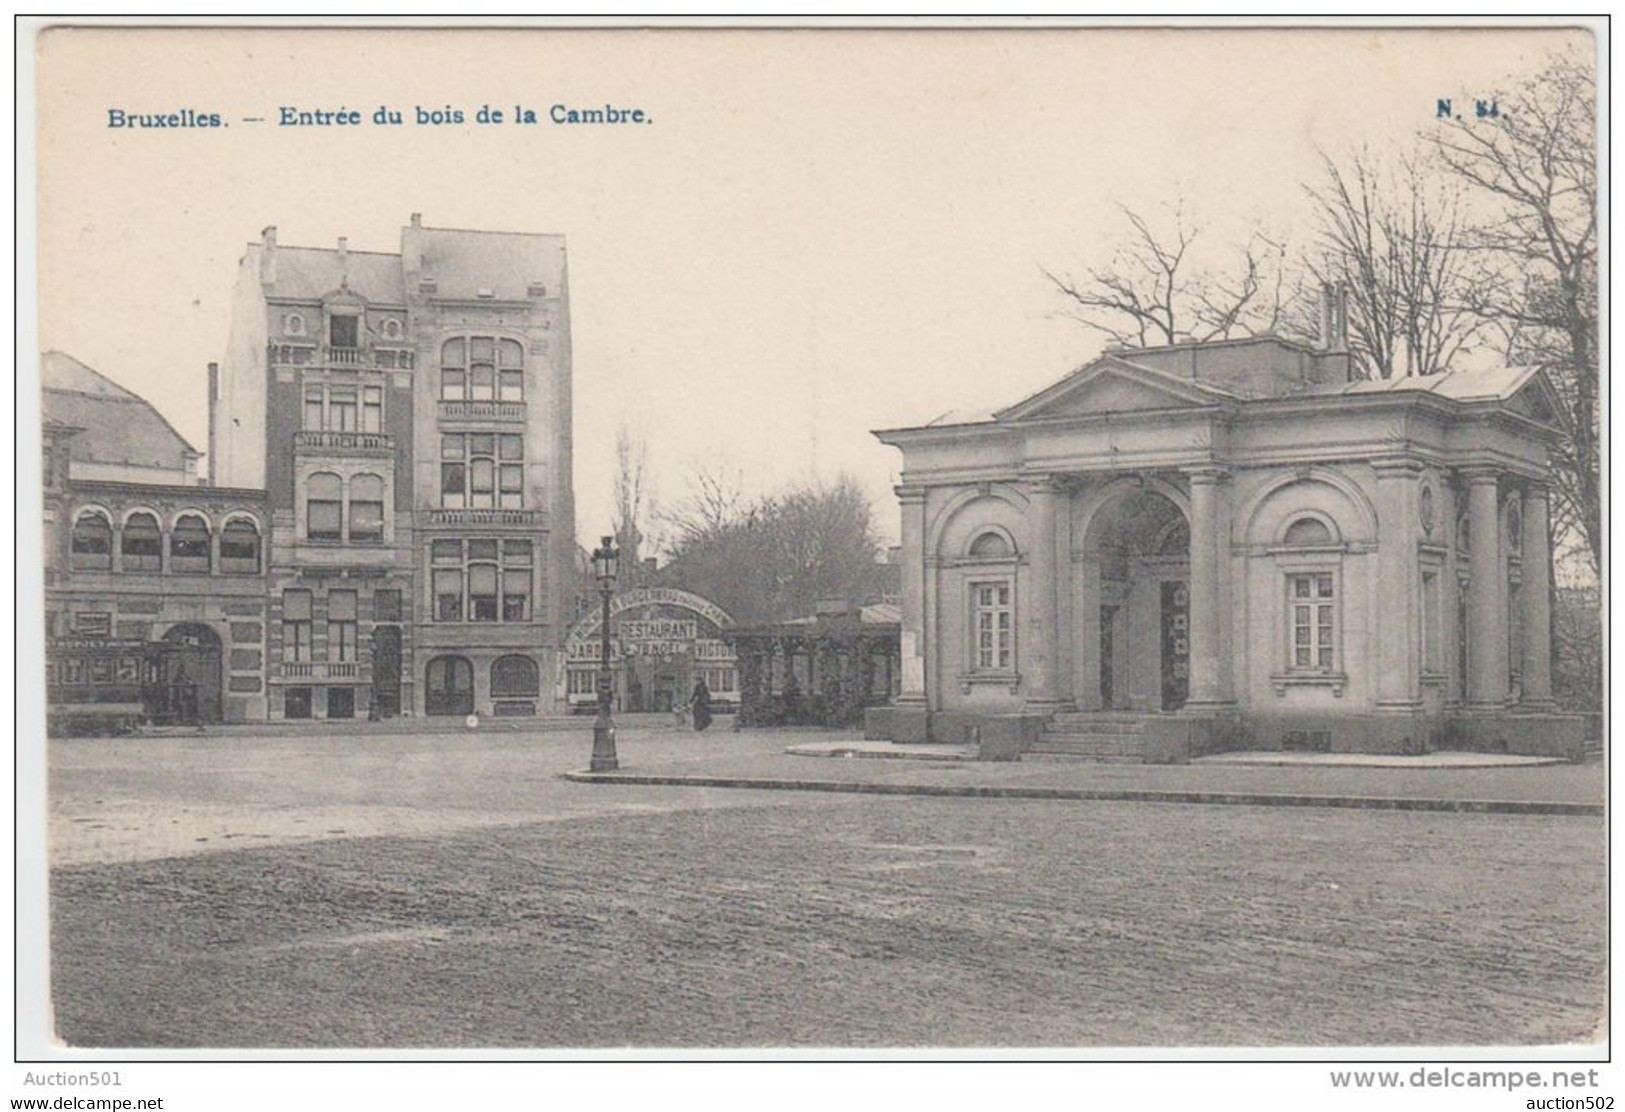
(715, 500)
(1154, 290)
(1394, 237)
(1532, 161)
(633, 499)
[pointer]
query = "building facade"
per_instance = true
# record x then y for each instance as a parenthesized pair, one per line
(1233, 544)
(154, 583)
(408, 416)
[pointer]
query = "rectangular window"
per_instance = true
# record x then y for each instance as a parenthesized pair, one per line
(341, 411)
(372, 409)
(453, 485)
(386, 606)
(991, 622)
(482, 592)
(366, 521)
(1313, 602)
(296, 703)
(324, 519)
(583, 681)
(341, 702)
(516, 595)
(446, 551)
(296, 626)
(313, 407)
(448, 594)
(453, 382)
(345, 331)
(341, 625)
(471, 475)
(511, 385)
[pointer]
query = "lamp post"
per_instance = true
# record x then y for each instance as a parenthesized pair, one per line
(604, 560)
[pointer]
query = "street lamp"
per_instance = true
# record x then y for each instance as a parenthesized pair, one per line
(604, 561)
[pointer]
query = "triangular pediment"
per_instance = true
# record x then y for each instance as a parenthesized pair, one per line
(1112, 385)
(1538, 400)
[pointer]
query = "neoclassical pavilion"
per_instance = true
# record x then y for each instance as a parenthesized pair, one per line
(1232, 544)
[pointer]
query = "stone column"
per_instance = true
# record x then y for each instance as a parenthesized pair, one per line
(1486, 595)
(912, 556)
(1397, 640)
(1036, 642)
(1537, 600)
(1208, 668)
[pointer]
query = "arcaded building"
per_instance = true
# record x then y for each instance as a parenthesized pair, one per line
(154, 582)
(408, 415)
(1233, 545)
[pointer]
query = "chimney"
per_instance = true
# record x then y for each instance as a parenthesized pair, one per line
(417, 220)
(268, 256)
(1334, 318)
(412, 245)
(344, 252)
(214, 404)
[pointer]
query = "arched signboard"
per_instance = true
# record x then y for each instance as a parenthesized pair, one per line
(662, 640)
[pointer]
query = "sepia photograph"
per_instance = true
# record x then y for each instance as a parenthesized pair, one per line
(974, 540)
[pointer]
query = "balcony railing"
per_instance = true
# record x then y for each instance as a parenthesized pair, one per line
(529, 519)
(513, 412)
(332, 670)
(309, 355)
(359, 443)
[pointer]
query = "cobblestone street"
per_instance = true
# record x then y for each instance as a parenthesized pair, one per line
(451, 891)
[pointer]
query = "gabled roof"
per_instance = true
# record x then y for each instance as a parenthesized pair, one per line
(1113, 384)
(119, 427)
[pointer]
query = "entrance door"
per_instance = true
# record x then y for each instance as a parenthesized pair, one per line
(1176, 644)
(1108, 657)
(192, 674)
(450, 687)
(386, 671)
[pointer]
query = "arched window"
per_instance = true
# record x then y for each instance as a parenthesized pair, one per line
(515, 677)
(189, 545)
(142, 546)
(323, 507)
(240, 548)
(366, 509)
(293, 324)
(1309, 532)
(991, 546)
(92, 545)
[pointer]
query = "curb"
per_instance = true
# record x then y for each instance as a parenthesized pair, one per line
(1105, 795)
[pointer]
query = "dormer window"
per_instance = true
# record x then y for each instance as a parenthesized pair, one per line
(344, 332)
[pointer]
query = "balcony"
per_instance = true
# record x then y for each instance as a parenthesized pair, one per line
(500, 412)
(310, 355)
(527, 519)
(334, 670)
(328, 442)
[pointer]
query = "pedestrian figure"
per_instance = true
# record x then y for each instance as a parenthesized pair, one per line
(679, 714)
(700, 704)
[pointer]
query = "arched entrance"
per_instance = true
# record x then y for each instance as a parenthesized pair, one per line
(188, 676)
(1135, 636)
(449, 687)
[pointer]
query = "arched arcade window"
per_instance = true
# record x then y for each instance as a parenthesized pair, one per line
(141, 548)
(189, 544)
(991, 545)
(92, 542)
(515, 677)
(240, 547)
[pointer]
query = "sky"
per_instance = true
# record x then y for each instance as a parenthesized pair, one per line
(819, 233)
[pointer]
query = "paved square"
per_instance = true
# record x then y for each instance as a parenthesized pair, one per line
(450, 891)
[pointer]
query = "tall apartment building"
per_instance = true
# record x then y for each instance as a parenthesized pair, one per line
(408, 415)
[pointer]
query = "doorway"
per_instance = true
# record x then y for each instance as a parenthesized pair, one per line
(1176, 644)
(386, 671)
(190, 686)
(450, 687)
(1108, 657)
